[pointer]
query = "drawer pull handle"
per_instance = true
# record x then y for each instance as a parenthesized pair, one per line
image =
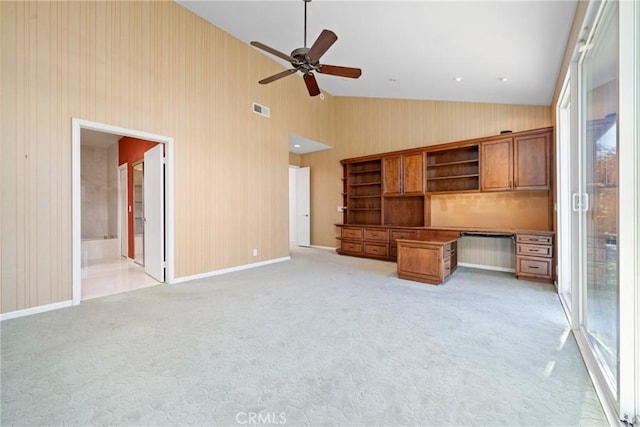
(533, 266)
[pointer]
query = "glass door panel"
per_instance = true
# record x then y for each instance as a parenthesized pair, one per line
(600, 196)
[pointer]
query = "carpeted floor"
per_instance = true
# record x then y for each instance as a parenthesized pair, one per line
(318, 340)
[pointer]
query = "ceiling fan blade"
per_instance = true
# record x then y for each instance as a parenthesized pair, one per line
(278, 76)
(336, 70)
(322, 44)
(312, 84)
(272, 51)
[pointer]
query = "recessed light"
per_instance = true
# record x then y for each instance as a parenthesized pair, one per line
(503, 79)
(296, 145)
(458, 79)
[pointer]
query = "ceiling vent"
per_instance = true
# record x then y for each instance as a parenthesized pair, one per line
(261, 109)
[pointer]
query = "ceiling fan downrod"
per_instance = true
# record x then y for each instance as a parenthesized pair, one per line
(305, 22)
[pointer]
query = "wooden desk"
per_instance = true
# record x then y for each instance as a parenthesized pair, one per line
(428, 261)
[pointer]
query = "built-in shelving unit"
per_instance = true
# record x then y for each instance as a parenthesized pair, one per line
(453, 170)
(363, 192)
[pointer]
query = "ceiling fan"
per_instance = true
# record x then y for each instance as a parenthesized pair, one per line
(307, 60)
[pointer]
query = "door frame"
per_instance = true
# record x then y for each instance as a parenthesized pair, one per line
(76, 217)
(123, 226)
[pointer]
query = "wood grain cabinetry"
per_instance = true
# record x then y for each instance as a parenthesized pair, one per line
(516, 163)
(497, 165)
(388, 197)
(534, 257)
(531, 167)
(362, 241)
(403, 174)
(431, 261)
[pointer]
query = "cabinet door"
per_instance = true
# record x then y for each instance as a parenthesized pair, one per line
(496, 164)
(531, 165)
(413, 174)
(391, 175)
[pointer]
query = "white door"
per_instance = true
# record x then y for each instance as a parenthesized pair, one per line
(123, 210)
(153, 196)
(304, 207)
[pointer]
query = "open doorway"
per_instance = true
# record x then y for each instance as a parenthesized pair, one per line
(112, 264)
(106, 206)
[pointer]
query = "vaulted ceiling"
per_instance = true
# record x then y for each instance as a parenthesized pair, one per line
(474, 51)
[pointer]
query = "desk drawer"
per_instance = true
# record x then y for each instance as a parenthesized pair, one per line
(352, 233)
(353, 248)
(534, 239)
(375, 234)
(539, 267)
(403, 234)
(375, 250)
(534, 250)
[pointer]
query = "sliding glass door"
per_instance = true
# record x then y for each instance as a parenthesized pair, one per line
(598, 200)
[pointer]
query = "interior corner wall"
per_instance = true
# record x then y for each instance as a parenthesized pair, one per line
(154, 67)
(131, 151)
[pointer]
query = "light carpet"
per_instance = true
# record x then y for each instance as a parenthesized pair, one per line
(319, 340)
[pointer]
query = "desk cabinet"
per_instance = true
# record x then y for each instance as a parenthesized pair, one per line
(429, 262)
(534, 257)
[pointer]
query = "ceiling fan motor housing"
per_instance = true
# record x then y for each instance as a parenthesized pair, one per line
(303, 62)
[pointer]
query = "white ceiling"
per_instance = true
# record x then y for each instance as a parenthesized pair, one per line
(97, 139)
(416, 49)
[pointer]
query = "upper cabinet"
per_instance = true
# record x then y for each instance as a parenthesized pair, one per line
(403, 175)
(531, 162)
(497, 165)
(516, 163)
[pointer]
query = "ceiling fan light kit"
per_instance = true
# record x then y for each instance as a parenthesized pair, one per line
(307, 60)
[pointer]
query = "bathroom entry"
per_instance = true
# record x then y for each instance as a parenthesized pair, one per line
(124, 274)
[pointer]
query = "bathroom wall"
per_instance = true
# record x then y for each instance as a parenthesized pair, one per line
(99, 188)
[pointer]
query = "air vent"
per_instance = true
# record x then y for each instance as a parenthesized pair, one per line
(261, 109)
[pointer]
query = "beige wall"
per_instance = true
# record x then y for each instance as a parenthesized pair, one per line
(369, 126)
(154, 67)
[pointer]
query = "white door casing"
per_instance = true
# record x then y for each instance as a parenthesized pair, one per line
(153, 196)
(304, 206)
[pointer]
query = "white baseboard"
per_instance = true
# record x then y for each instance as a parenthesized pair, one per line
(328, 248)
(227, 270)
(35, 310)
(487, 267)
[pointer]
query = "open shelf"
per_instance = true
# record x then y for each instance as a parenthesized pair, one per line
(362, 193)
(455, 169)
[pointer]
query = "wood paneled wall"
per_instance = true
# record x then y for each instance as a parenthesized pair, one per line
(368, 126)
(154, 67)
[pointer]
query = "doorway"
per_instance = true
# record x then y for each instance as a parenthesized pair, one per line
(166, 214)
(299, 206)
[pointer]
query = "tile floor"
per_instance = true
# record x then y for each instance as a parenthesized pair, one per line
(112, 275)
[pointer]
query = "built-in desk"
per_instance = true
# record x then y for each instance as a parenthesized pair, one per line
(534, 250)
(428, 261)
